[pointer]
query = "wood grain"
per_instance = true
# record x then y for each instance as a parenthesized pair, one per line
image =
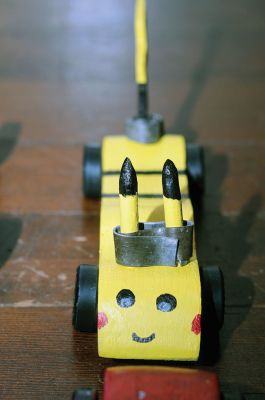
(41, 355)
(48, 249)
(66, 78)
(48, 179)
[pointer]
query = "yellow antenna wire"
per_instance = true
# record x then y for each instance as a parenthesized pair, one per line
(141, 42)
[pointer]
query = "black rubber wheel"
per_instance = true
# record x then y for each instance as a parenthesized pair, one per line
(92, 171)
(85, 394)
(213, 287)
(85, 301)
(212, 294)
(195, 167)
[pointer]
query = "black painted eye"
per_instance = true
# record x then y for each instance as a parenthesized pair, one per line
(166, 302)
(125, 298)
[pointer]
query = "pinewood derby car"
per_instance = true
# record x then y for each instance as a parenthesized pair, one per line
(157, 383)
(148, 298)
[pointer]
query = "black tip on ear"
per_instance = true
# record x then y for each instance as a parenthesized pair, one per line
(128, 185)
(170, 181)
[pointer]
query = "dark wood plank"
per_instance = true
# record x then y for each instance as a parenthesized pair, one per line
(211, 86)
(44, 179)
(226, 110)
(40, 257)
(66, 78)
(43, 264)
(41, 356)
(242, 350)
(49, 179)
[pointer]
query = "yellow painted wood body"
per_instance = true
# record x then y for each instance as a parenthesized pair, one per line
(173, 212)
(174, 338)
(128, 214)
(141, 42)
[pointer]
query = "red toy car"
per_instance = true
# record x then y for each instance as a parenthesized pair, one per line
(155, 383)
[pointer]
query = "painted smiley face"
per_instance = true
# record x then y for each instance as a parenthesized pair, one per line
(165, 303)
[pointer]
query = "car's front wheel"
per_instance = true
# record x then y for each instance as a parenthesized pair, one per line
(85, 300)
(213, 286)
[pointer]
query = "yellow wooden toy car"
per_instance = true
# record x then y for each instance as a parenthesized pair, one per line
(148, 299)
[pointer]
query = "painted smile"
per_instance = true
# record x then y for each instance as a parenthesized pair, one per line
(147, 339)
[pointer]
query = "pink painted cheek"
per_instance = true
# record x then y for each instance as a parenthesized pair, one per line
(102, 320)
(196, 324)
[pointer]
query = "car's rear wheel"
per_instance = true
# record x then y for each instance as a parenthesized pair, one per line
(92, 170)
(85, 300)
(85, 394)
(195, 167)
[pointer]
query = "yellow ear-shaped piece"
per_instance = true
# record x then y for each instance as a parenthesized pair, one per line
(173, 212)
(129, 214)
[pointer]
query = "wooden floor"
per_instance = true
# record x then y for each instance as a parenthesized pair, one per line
(66, 78)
